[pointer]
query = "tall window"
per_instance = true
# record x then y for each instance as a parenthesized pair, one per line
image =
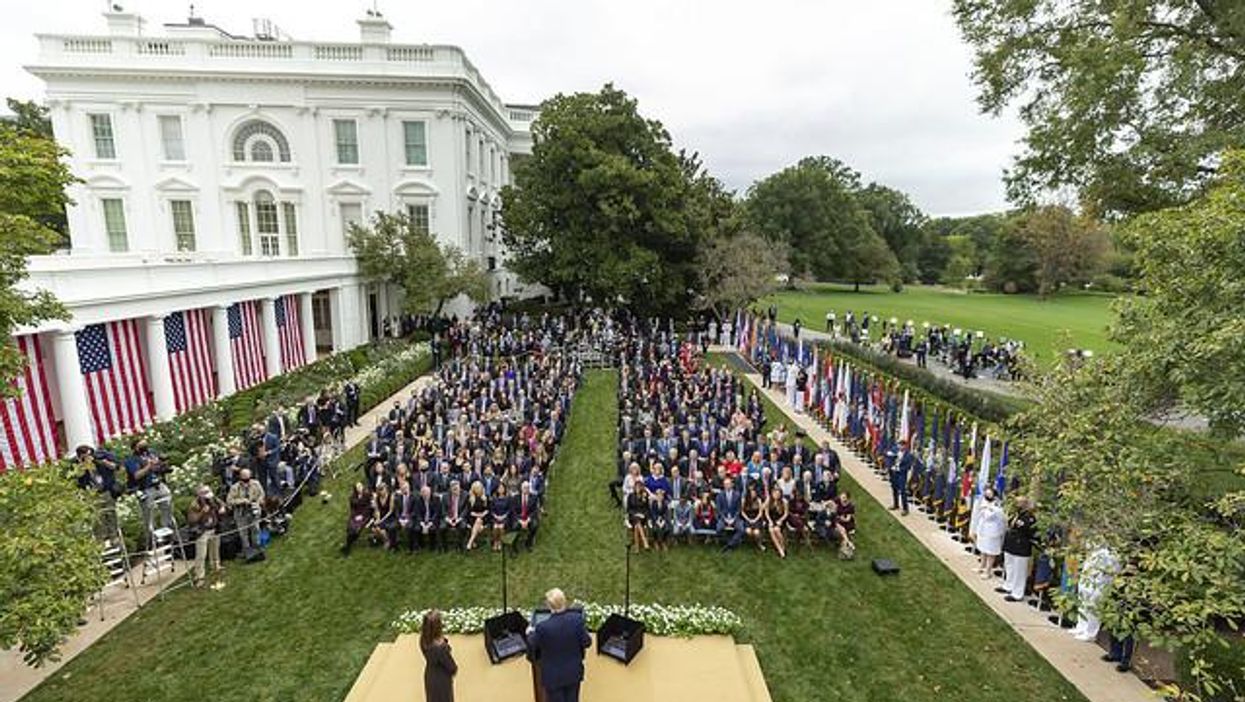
(267, 225)
(171, 138)
(114, 224)
(290, 217)
(471, 228)
(419, 218)
(346, 134)
(183, 224)
(351, 213)
(415, 137)
(468, 154)
(244, 228)
(480, 156)
(101, 132)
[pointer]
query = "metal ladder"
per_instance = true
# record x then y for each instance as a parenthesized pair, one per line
(115, 558)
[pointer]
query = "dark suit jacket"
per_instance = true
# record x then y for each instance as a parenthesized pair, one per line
(463, 517)
(430, 513)
(727, 507)
(558, 643)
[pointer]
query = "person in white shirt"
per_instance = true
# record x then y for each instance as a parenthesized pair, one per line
(793, 371)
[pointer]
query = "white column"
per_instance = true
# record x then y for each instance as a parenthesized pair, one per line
(158, 367)
(307, 317)
(74, 411)
(272, 342)
(337, 318)
(382, 307)
(224, 352)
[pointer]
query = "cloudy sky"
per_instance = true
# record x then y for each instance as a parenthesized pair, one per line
(753, 86)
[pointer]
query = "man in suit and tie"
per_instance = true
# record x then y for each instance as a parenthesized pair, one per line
(527, 513)
(404, 507)
(427, 520)
(276, 422)
(900, 466)
(727, 507)
(351, 394)
(309, 416)
(454, 515)
(557, 645)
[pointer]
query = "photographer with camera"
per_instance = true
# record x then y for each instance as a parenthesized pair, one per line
(99, 473)
(246, 499)
(204, 515)
(145, 472)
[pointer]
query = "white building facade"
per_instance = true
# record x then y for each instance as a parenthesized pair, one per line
(219, 175)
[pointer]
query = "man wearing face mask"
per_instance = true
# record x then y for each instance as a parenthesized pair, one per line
(144, 471)
(203, 515)
(245, 499)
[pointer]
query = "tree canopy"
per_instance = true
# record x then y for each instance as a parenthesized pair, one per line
(1131, 103)
(737, 270)
(605, 208)
(813, 208)
(392, 249)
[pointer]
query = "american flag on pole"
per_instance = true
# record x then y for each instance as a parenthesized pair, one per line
(246, 341)
(290, 332)
(188, 338)
(29, 435)
(115, 374)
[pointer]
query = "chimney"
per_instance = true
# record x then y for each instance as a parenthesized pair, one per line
(122, 23)
(374, 28)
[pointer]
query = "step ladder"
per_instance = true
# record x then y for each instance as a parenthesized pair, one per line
(115, 558)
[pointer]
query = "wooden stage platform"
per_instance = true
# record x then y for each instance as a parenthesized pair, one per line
(700, 668)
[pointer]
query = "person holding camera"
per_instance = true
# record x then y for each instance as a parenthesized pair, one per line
(99, 473)
(204, 515)
(246, 499)
(144, 472)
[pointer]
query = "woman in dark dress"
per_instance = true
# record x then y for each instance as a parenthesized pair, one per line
(439, 665)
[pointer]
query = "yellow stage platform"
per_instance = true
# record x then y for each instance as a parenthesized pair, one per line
(700, 668)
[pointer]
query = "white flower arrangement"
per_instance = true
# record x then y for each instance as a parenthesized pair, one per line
(659, 620)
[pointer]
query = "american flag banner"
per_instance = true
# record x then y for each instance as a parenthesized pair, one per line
(29, 435)
(115, 373)
(246, 342)
(290, 332)
(188, 341)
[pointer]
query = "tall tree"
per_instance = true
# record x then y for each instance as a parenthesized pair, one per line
(894, 216)
(1067, 248)
(603, 207)
(33, 179)
(393, 250)
(813, 208)
(1130, 102)
(737, 270)
(30, 117)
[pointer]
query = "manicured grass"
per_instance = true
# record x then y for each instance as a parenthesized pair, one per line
(301, 625)
(1046, 326)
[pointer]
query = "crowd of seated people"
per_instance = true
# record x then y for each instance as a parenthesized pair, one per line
(464, 461)
(695, 463)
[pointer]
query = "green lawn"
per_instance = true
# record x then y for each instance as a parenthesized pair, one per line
(1064, 321)
(300, 626)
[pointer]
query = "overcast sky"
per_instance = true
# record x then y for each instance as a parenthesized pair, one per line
(753, 86)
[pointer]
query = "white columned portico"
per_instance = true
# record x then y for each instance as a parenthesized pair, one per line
(306, 315)
(223, 351)
(272, 342)
(74, 412)
(158, 368)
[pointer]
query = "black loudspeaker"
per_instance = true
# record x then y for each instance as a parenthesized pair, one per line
(885, 566)
(620, 638)
(505, 636)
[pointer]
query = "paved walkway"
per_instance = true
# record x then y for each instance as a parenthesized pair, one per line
(17, 678)
(1001, 387)
(1079, 662)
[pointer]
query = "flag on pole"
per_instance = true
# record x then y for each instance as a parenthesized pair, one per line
(29, 435)
(290, 332)
(246, 344)
(985, 467)
(115, 374)
(188, 341)
(904, 429)
(1001, 481)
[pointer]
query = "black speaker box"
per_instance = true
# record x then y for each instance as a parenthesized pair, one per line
(885, 566)
(620, 638)
(505, 636)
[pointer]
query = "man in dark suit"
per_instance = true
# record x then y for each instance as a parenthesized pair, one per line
(453, 516)
(527, 513)
(427, 520)
(351, 394)
(727, 507)
(557, 645)
(900, 466)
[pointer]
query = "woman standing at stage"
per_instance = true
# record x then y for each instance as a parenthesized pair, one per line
(439, 665)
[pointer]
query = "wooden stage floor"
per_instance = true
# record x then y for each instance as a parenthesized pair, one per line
(703, 667)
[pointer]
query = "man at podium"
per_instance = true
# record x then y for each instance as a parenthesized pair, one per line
(557, 646)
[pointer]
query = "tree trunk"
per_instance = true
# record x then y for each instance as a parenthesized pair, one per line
(857, 284)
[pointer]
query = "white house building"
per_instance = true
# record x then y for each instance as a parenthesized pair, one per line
(219, 174)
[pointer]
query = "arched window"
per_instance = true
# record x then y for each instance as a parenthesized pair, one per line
(259, 141)
(274, 222)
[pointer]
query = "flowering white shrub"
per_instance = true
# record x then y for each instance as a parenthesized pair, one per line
(659, 619)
